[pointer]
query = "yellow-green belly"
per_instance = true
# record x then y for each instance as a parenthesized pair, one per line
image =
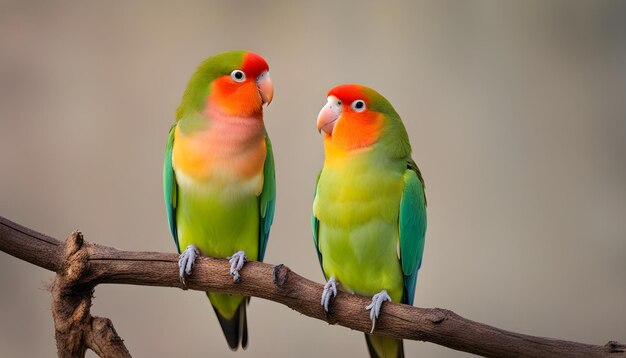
(363, 259)
(358, 232)
(219, 225)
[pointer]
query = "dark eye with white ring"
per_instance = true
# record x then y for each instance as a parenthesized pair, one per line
(358, 105)
(238, 76)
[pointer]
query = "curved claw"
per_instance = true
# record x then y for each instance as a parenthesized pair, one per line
(374, 307)
(330, 288)
(236, 263)
(185, 263)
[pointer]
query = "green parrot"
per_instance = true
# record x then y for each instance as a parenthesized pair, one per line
(219, 181)
(369, 212)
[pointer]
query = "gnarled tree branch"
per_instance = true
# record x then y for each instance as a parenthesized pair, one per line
(75, 328)
(80, 266)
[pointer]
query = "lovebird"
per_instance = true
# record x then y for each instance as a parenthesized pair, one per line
(219, 182)
(369, 211)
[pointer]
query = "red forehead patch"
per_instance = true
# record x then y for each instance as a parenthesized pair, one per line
(254, 64)
(348, 93)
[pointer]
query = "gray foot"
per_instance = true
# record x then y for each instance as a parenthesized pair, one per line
(236, 263)
(185, 263)
(330, 289)
(374, 307)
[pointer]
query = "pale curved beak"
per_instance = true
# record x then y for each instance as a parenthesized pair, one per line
(265, 86)
(329, 115)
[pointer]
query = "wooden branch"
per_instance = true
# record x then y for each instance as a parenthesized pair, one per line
(80, 266)
(75, 328)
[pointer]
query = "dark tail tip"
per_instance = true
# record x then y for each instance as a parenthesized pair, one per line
(243, 323)
(235, 329)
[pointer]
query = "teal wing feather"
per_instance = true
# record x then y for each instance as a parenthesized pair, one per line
(316, 225)
(170, 188)
(267, 198)
(412, 223)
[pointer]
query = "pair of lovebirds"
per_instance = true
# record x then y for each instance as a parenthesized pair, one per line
(369, 211)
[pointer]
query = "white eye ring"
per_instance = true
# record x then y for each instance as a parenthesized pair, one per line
(358, 105)
(238, 76)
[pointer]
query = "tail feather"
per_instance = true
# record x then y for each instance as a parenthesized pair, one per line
(384, 347)
(243, 323)
(236, 328)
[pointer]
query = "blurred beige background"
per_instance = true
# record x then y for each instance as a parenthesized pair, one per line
(516, 112)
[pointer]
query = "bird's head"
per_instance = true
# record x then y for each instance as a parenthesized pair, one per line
(355, 116)
(238, 82)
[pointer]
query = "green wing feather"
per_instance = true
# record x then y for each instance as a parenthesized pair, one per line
(170, 188)
(316, 225)
(267, 198)
(412, 228)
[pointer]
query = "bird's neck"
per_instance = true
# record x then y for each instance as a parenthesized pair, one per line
(339, 155)
(232, 130)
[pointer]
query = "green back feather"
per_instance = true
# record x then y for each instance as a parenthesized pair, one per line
(170, 188)
(267, 198)
(315, 224)
(412, 222)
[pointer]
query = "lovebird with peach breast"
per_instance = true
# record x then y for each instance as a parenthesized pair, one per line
(219, 179)
(369, 212)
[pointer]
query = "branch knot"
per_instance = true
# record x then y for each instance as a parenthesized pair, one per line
(280, 275)
(438, 315)
(615, 347)
(75, 259)
(75, 328)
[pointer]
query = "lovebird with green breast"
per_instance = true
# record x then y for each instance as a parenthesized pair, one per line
(369, 211)
(219, 181)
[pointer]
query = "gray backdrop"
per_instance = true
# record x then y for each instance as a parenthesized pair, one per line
(516, 112)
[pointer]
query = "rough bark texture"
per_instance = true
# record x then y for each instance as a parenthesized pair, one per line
(80, 266)
(75, 328)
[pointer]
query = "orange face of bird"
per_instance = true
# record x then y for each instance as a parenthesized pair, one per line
(244, 91)
(347, 119)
